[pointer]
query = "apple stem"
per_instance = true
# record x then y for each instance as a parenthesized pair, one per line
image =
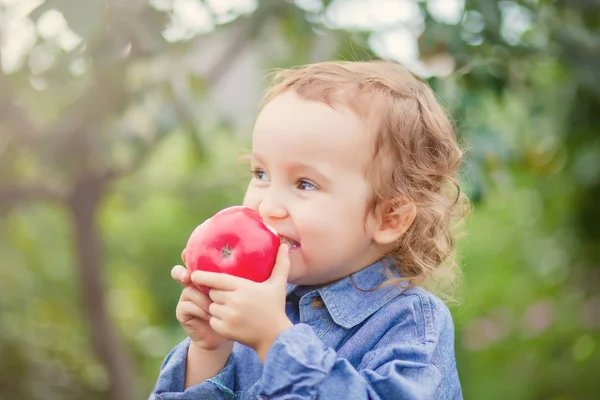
(226, 251)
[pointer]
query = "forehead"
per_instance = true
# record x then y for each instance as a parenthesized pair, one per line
(290, 126)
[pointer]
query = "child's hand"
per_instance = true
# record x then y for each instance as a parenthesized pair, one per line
(246, 311)
(192, 313)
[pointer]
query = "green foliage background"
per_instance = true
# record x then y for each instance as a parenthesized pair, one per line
(115, 134)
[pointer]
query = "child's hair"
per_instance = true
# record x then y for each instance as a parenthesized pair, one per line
(416, 155)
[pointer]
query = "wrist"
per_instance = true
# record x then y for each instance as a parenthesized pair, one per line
(267, 340)
(223, 347)
(203, 363)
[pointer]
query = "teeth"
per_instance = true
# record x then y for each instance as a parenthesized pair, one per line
(271, 229)
(289, 242)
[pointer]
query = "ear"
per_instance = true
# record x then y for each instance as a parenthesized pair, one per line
(394, 219)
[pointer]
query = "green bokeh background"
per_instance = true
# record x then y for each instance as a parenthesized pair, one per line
(121, 126)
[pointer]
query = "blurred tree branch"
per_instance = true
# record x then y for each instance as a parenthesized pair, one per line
(10, 195)
(247, 32)
(16, 118)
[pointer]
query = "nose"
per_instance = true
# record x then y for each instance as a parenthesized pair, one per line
(272, 205)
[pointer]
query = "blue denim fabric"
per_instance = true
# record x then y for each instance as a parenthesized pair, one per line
(346, 343)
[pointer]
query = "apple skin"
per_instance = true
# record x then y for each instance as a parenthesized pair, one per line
(234, 241)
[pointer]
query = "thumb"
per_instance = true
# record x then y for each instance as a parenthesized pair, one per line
(281, 270)
(181, 275)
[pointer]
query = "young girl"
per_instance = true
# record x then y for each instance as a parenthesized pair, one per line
(354, 166)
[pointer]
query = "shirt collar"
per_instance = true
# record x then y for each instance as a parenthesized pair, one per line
(347, 304)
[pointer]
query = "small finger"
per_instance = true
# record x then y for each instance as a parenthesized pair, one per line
(220, 327)
(217, 310)
(191, 293)
(181, 275)
(218, 296)
(186, 310)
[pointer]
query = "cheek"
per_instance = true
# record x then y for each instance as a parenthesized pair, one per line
(252, 198)
(370, 224)
(323, 224)
(352, 224)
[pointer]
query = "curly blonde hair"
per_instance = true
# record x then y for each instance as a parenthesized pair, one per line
(415, 156)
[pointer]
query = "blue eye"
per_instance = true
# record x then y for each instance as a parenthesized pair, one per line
(303, 184)
(260, 175)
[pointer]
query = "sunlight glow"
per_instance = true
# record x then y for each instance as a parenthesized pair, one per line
(446, 11)
(17, 33)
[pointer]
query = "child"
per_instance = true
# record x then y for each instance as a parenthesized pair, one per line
(354, 166)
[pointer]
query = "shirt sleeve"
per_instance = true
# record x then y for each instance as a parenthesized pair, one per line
(300, 366)
(171, 380)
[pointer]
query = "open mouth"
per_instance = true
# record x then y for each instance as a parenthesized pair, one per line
(290, 242)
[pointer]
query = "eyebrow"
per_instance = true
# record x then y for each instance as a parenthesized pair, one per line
(257, 157)
(297, 166)
(311, 170)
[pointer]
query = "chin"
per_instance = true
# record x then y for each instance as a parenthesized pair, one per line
(302, 281)
(297, 280)
(293, 278)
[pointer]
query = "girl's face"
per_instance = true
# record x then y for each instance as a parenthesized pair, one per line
(308, 164)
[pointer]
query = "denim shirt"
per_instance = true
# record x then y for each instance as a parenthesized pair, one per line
(346, 343)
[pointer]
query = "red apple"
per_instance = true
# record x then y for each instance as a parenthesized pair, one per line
(234, 241)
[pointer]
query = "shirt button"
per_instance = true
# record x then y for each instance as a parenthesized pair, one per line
(317, 302)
